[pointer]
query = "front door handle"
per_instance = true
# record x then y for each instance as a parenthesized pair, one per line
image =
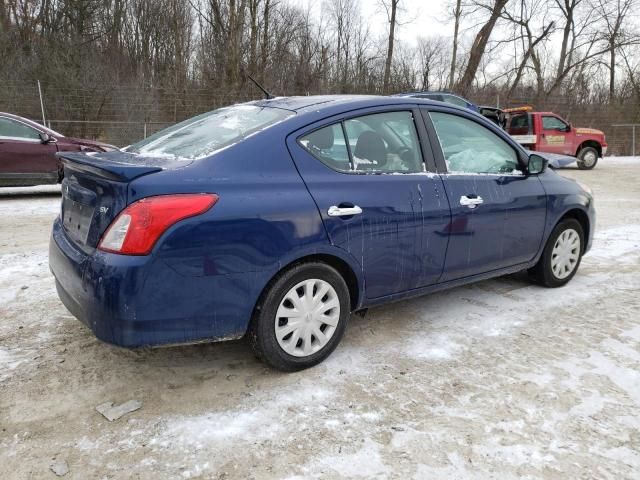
(471, 201)
(335, 211)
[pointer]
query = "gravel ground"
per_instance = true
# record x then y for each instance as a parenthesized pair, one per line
(500, 379)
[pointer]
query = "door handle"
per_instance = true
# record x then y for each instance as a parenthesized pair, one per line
(471, 201)
(335, 211)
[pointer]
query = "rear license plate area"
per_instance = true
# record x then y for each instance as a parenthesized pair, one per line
(76, 219)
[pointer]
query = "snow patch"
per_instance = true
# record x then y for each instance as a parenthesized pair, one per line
(622, 160)
(620, 243)
(23, 191)
(18, 271)
(366, 462)
(26, 205)
(248, 423)
(435, 347)
(9, 361)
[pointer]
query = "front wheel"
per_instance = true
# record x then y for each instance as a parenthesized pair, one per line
(561, 256)
(301, 317)
(587, 158)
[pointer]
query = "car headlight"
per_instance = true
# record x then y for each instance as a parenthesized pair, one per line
(585, 187)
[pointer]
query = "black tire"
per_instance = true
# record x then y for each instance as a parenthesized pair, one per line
(262, 335)
(542, 272)
(585, 158)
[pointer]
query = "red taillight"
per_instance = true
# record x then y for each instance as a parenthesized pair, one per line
(137, 228)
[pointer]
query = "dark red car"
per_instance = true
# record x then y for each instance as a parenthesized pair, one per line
(28, 151)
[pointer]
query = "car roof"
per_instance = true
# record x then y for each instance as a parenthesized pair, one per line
(309, 109)
(428, 92)
(329, 102)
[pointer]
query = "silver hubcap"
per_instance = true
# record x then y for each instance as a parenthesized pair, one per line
(566, 253)
(589, 158)
(307, 317)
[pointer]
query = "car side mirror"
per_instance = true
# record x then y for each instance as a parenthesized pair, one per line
(537, 164)
(46, 138)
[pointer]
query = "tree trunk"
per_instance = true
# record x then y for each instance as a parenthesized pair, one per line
(253, 35)
(392, 32)
(478, 48)
(264, 49)
(612, 72)
(530, 53)
(562, 60)
(454, 54)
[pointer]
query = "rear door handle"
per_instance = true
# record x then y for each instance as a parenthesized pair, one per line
(471, 202)
(335, 211)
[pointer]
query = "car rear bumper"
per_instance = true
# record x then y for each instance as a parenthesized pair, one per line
(141, 301)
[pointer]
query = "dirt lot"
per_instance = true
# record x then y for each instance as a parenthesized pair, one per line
(501, 379)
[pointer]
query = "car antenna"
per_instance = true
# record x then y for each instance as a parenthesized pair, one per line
(264, 90)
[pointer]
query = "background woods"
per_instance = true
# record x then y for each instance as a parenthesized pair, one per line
(154, 62)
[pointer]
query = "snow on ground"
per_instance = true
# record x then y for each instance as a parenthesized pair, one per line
(622, 160)
(501, 379)
(26, 191)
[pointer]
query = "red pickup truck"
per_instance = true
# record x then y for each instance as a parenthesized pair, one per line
(547, 132)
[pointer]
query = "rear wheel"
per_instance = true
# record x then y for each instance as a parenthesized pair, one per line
(561, 256)
(587, 158)
(301, 317)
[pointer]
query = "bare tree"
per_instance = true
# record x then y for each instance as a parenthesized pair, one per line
(457, 16)
(391, 9)
(522, 16)
(479, 45)
(614, 15)
(433, 62)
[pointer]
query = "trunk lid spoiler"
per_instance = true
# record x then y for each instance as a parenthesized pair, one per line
(118, 166)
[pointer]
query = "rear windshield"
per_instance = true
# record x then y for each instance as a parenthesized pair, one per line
(207, 133)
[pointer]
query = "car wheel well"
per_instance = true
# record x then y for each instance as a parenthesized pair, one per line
(590, 143)
(582, 218)
(340, 265)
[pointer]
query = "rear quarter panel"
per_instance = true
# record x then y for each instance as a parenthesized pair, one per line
(264, 219)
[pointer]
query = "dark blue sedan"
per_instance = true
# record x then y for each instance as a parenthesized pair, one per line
(277, 219)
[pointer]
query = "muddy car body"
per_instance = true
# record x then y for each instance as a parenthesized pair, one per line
(281, 230)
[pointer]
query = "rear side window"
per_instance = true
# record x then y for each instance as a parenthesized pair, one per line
(327, 145)
(469, 147)
(378, 143)
(11, 128)
(205, 134)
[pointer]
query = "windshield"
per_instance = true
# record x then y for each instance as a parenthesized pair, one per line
(207, 133)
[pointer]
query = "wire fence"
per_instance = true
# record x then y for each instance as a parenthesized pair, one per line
(124, 114)
(114, 132)
(626, 128)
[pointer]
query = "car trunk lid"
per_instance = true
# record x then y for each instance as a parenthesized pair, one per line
(94, 190)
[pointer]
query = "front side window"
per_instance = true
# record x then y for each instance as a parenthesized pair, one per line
(378, 143)
(469, 147)
(205, 134)
(553, 123)
(11, 128)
